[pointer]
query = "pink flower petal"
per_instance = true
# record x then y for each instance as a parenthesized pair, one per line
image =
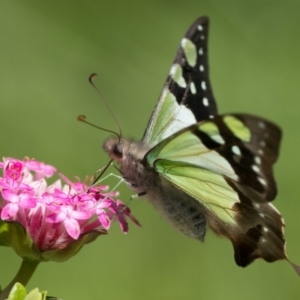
(9, 211)
(80, 215)
(41, 168)
(104, 220)
(27, 201)
(56, 218)
(13, 169)
(123, 223)
(72, 228)
(10, 196)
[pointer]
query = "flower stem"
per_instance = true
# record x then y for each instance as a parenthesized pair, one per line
(24, 274)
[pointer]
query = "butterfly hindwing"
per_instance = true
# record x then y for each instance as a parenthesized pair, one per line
(259, 230)
(218, 162)
(187, 96)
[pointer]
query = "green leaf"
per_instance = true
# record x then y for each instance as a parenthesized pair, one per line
(34, 295)
(18, 292)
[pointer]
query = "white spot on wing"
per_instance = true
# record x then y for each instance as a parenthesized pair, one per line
(260, 151)
(201, 68)
(262, 181)
(236, 150)
(261, 125)
(202, 37)
(200, 51)
(255, 168)
(257, 160)
(205, 101)
(193, 88)
(263, 143)
(200, 28)
(203, 85)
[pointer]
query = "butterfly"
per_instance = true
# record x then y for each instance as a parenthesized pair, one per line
(202, 169)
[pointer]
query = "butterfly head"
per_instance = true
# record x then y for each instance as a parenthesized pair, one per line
(124, 150)
(114, 147)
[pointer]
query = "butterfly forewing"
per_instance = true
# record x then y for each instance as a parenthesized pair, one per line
(187, 96)
(250, 145)
(264, 147)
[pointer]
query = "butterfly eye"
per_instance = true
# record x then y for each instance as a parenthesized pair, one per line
(118, 151)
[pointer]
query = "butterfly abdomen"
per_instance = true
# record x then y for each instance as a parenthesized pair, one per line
(186, 214)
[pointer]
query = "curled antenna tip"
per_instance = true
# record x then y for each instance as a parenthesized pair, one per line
(92, 76)
(81, 118)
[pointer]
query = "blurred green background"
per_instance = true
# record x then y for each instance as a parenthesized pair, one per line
(49, 48)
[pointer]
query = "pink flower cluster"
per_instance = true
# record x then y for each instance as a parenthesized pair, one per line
(57, 213)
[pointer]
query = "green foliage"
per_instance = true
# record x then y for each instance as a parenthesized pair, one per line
(14, 235)
(18, 292)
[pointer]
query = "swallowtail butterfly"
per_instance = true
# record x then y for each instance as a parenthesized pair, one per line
(201, 169)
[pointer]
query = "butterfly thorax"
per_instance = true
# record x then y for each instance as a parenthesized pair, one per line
(186, 214)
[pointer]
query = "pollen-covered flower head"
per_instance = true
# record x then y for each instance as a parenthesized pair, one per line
(51, 219)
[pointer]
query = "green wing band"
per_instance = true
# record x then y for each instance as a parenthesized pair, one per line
(209, 188)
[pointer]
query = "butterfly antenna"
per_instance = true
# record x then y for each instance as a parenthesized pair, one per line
(82, 118)
(91, 81)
